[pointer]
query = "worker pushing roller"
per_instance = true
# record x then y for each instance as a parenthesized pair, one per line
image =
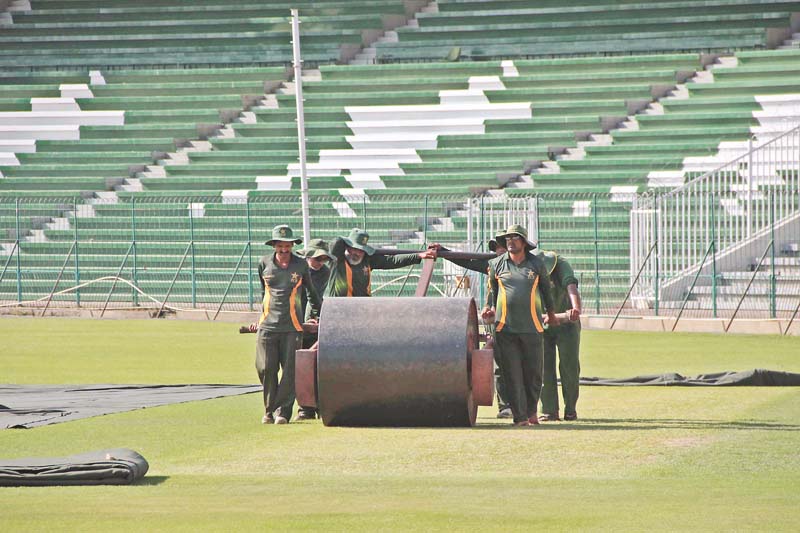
(393, 361)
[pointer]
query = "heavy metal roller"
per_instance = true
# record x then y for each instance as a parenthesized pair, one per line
(396, 362)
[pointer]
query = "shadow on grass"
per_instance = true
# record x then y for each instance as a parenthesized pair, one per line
(636, 424)
(151, 480)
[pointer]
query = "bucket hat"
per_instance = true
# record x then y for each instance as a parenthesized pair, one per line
(358, 239)
(283, 233)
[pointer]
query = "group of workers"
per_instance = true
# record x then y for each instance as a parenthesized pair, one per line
(533, 308)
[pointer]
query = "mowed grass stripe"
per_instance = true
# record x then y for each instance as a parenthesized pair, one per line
(660, 458)
(65, 350)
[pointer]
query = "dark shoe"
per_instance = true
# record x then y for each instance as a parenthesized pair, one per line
(570, 417)
(546, 417)
(267, 419)
(302, 415)
(505, 413)
(281, 420)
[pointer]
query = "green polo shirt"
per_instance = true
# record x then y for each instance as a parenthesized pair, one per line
(561, 276)
(320, 280)
(516, 291)
(282, 306)
(354, 280)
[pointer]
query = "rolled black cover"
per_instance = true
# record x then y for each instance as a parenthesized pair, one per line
(396, 361)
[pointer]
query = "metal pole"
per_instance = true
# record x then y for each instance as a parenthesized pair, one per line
(596, 258)
(191, 243)
(134, 295)
(470, 229)
(250, 255)
(19, 250)
(174, 279)
(794, 315)
(773, 307)
(749, 186)
(713, 259)
(481, 236)
(538, 227)
(691, 288)
(405, 280)
(8, 261)
(425, 224)
(77, 260)
(657, 277)
(364, 211)
(747, 289)
(635, 281)
(58, 279)
(301, 127)
(230, 282)
(114, 285)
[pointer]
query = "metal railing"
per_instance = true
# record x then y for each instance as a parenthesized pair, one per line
(709, 232)
(202, 252)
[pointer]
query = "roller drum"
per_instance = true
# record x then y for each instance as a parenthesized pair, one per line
(396, 361)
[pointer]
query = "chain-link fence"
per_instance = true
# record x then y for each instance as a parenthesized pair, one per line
(727, 243)
(202, 252)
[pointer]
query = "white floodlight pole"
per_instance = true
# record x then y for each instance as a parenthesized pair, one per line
(301, 125)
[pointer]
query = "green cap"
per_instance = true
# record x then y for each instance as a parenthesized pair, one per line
(513, 229)
(358, 239)
(316, 248)
(283, 233)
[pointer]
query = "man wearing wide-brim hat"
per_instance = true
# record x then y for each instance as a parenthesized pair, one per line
(563, 340)
(517, 281)
(284, 276)
(317, 257)
(354, 261)
(482, 266)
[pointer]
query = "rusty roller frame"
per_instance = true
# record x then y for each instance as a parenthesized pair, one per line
(396, 362)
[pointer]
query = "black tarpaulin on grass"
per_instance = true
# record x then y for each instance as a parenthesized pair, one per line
(118, 466)
(27, 406)
(750, 378)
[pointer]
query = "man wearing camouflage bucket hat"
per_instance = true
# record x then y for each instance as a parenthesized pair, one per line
(482, 266)
(283, 276)
(517, 279)
(354, 261)
(564, 339)
(317, 257)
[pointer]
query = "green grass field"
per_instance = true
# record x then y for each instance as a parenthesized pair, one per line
(640, 458)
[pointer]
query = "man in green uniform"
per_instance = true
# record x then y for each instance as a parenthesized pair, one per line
(317, 256)
(482, 266)
(354, 261)
(283, 276)
(517, 280)
(565, 337)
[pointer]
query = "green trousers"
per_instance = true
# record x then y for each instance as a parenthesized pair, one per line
(308, 341)
(500, 386)
(274, 353)
(566, 340)
(520, 357)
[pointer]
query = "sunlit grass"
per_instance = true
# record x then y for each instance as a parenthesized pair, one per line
(640, 458)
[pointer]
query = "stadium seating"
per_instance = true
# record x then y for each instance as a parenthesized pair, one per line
(153, 113)
(520, 28)
(405, 126)
(135, 34)
(186, 120)
(693, 130)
